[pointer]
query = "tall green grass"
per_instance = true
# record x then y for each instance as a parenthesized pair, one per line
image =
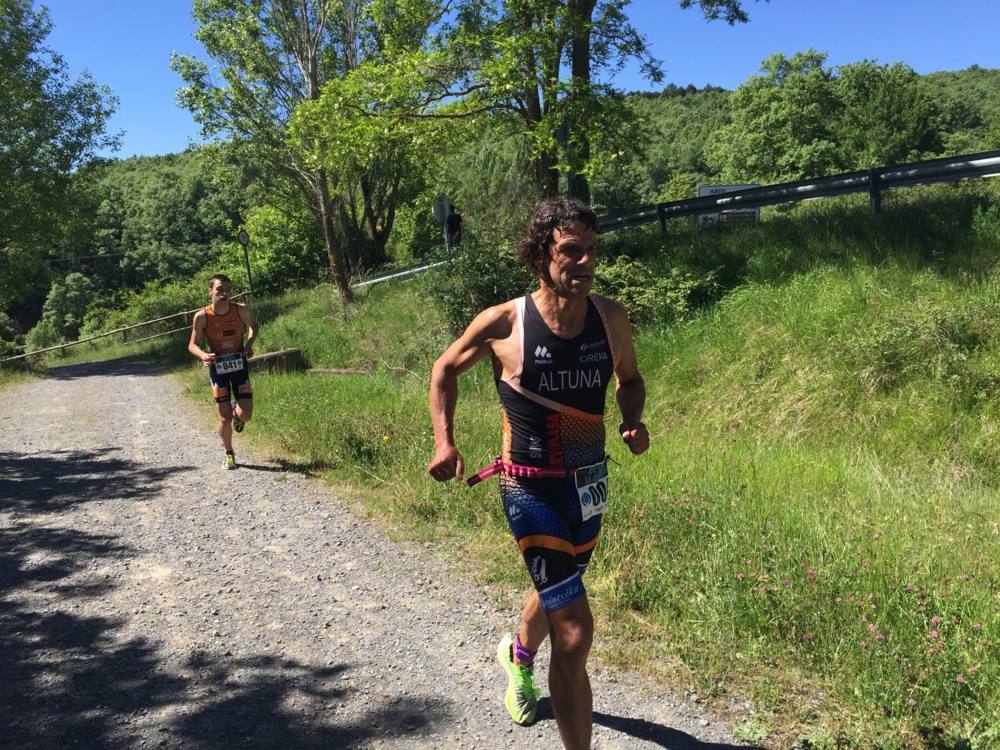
(822, 484)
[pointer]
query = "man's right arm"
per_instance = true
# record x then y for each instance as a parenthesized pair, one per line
(197, 331)
(475, 343)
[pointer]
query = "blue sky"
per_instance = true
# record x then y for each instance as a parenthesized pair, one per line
(127, 44)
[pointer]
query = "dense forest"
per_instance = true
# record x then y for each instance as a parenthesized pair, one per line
(329, 188)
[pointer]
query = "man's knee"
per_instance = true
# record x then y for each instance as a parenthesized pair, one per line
(572, 633)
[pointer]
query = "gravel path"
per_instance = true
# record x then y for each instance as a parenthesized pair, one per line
(152, 599)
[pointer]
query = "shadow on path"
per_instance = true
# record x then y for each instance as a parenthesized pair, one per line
(76, 676)
(282, 466)
(55, 480)
(647, 731)
(135, 366)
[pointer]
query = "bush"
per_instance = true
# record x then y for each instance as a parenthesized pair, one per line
(157, 300)
(649, 297)
(286, 247)
(476, 277)
(986, 224)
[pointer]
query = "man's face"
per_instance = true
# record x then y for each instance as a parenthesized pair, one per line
(219, 291)
(572, 257)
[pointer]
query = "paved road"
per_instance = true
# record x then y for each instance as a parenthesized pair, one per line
(150, 599)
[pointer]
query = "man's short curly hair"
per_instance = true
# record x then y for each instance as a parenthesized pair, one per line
(551, 214)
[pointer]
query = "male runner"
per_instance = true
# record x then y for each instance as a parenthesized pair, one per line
(222, 324)
(553, 353)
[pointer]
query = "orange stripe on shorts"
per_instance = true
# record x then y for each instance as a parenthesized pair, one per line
(585, 547)
(545, 541)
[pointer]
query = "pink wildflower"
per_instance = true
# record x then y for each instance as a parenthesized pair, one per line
(960, 680)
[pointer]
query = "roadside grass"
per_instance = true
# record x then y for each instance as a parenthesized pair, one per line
(812, 540)
(10, 377)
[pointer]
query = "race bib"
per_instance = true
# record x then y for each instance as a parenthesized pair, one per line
(592, 489)
(229, 363)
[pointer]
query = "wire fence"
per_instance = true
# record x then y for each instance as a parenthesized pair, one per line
(125, 331)
(128, 337)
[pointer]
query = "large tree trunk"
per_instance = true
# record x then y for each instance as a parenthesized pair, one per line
(581, 12)
(330, 238)
(546, 174)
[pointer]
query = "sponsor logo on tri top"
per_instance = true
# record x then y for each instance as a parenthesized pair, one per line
(590, 347)
(568, 380)
(594, 357)
(542, 355)
(535, 446)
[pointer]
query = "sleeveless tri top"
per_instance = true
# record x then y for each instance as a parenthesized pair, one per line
(553, 405)
(224, 333)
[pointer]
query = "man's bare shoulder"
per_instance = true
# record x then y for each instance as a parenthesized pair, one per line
(497, 321)
(199, 316)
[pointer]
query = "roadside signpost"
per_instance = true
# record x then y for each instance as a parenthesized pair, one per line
(729, 216)
(441, 208)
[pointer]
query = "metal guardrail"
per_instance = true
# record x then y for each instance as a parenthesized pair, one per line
(397, 274)
(872, 181)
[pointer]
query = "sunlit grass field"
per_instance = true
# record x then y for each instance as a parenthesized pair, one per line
(814, 531)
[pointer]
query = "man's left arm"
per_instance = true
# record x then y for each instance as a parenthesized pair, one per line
(630, 391)
(246, 315)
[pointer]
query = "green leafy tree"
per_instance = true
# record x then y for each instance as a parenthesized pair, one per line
(352, 129)
(67, 303)
(49, 126)
(885, 116)
(541, 63)
(163, 216)
(783, 123)
(802, 119)
(42, 336)
(275, 55)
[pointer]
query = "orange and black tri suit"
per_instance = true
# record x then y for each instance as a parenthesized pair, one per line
(229, 375)
(553, 424)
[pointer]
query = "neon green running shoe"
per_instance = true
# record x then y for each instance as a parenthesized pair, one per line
(230, 460)
(522, 695)
(238, 424)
